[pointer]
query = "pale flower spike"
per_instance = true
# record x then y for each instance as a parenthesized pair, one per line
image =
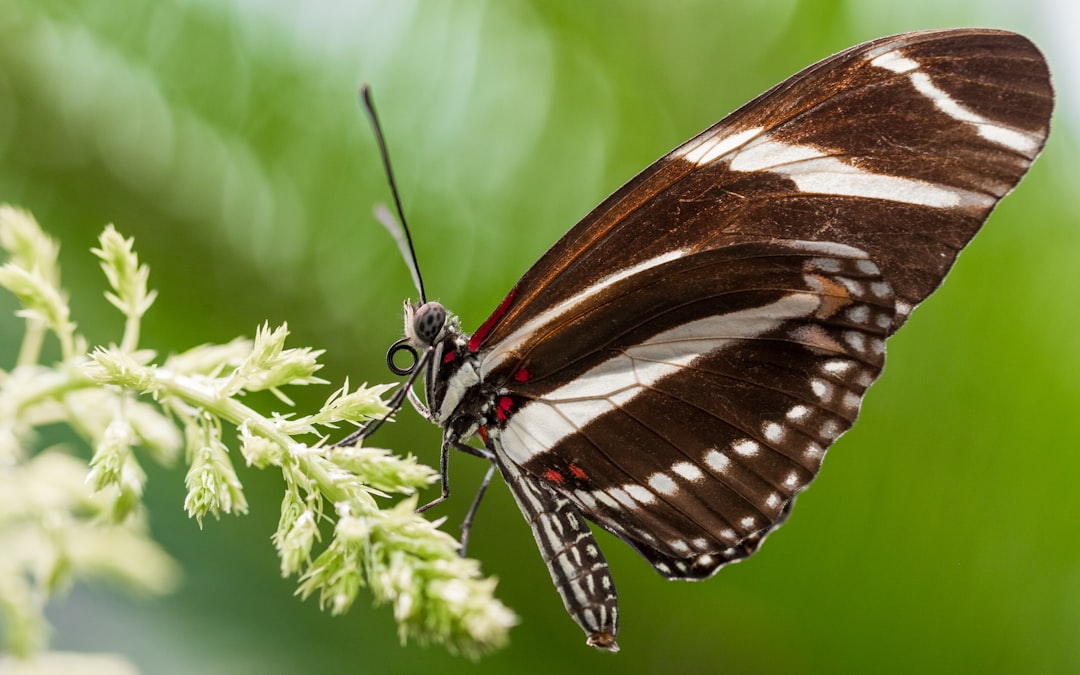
(127, 403)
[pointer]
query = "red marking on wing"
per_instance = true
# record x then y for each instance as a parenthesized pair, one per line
(483, 434)
(578, 472)
(448, 357)
(522, 375)
(553, 476)
(485, 328)
(505, 404)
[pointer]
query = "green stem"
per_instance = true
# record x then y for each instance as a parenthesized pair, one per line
(130, 341)
(67, 342)
(232, 410)
(52, 388)
(30, 349)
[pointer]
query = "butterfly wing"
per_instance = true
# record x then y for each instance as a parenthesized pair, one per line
(899, 147)
(688, 422)
(676, 365)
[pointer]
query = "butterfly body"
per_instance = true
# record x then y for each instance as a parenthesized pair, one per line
(675, 367)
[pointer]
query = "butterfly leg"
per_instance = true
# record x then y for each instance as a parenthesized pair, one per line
(466, 525)
(444, 467)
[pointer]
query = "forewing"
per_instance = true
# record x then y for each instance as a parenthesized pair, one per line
(899, 147)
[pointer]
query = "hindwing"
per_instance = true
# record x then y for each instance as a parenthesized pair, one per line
(707, 402)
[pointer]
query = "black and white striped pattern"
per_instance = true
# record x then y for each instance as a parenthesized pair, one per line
(728, 434)
(676, 366)
(578, 567)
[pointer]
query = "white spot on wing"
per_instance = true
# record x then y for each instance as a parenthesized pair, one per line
(717, 461)
(822, 389)
(866, 266)
(640, 493)
(837, 366)
(663, 483)
(679, 546)
(773, 432)
(688, 471)
(877, 346)
(880, 289)
(746, 447)
(855, 340)
(798, 413)
(859, 313)
(830, 429)
(851, 399)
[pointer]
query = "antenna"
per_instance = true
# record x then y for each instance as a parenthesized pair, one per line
(399, 230)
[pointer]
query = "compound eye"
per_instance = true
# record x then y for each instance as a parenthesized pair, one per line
(428, 322)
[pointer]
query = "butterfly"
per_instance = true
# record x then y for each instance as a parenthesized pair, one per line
(674, 368)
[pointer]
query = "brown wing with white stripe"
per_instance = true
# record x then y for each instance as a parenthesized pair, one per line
(709, 400)
(899, 147)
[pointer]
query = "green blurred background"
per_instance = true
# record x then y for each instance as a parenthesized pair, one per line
(226, 138)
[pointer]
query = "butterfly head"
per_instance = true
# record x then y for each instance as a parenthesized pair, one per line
(424, 324)
(439, 350)
(425, 328)
(432, 331)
